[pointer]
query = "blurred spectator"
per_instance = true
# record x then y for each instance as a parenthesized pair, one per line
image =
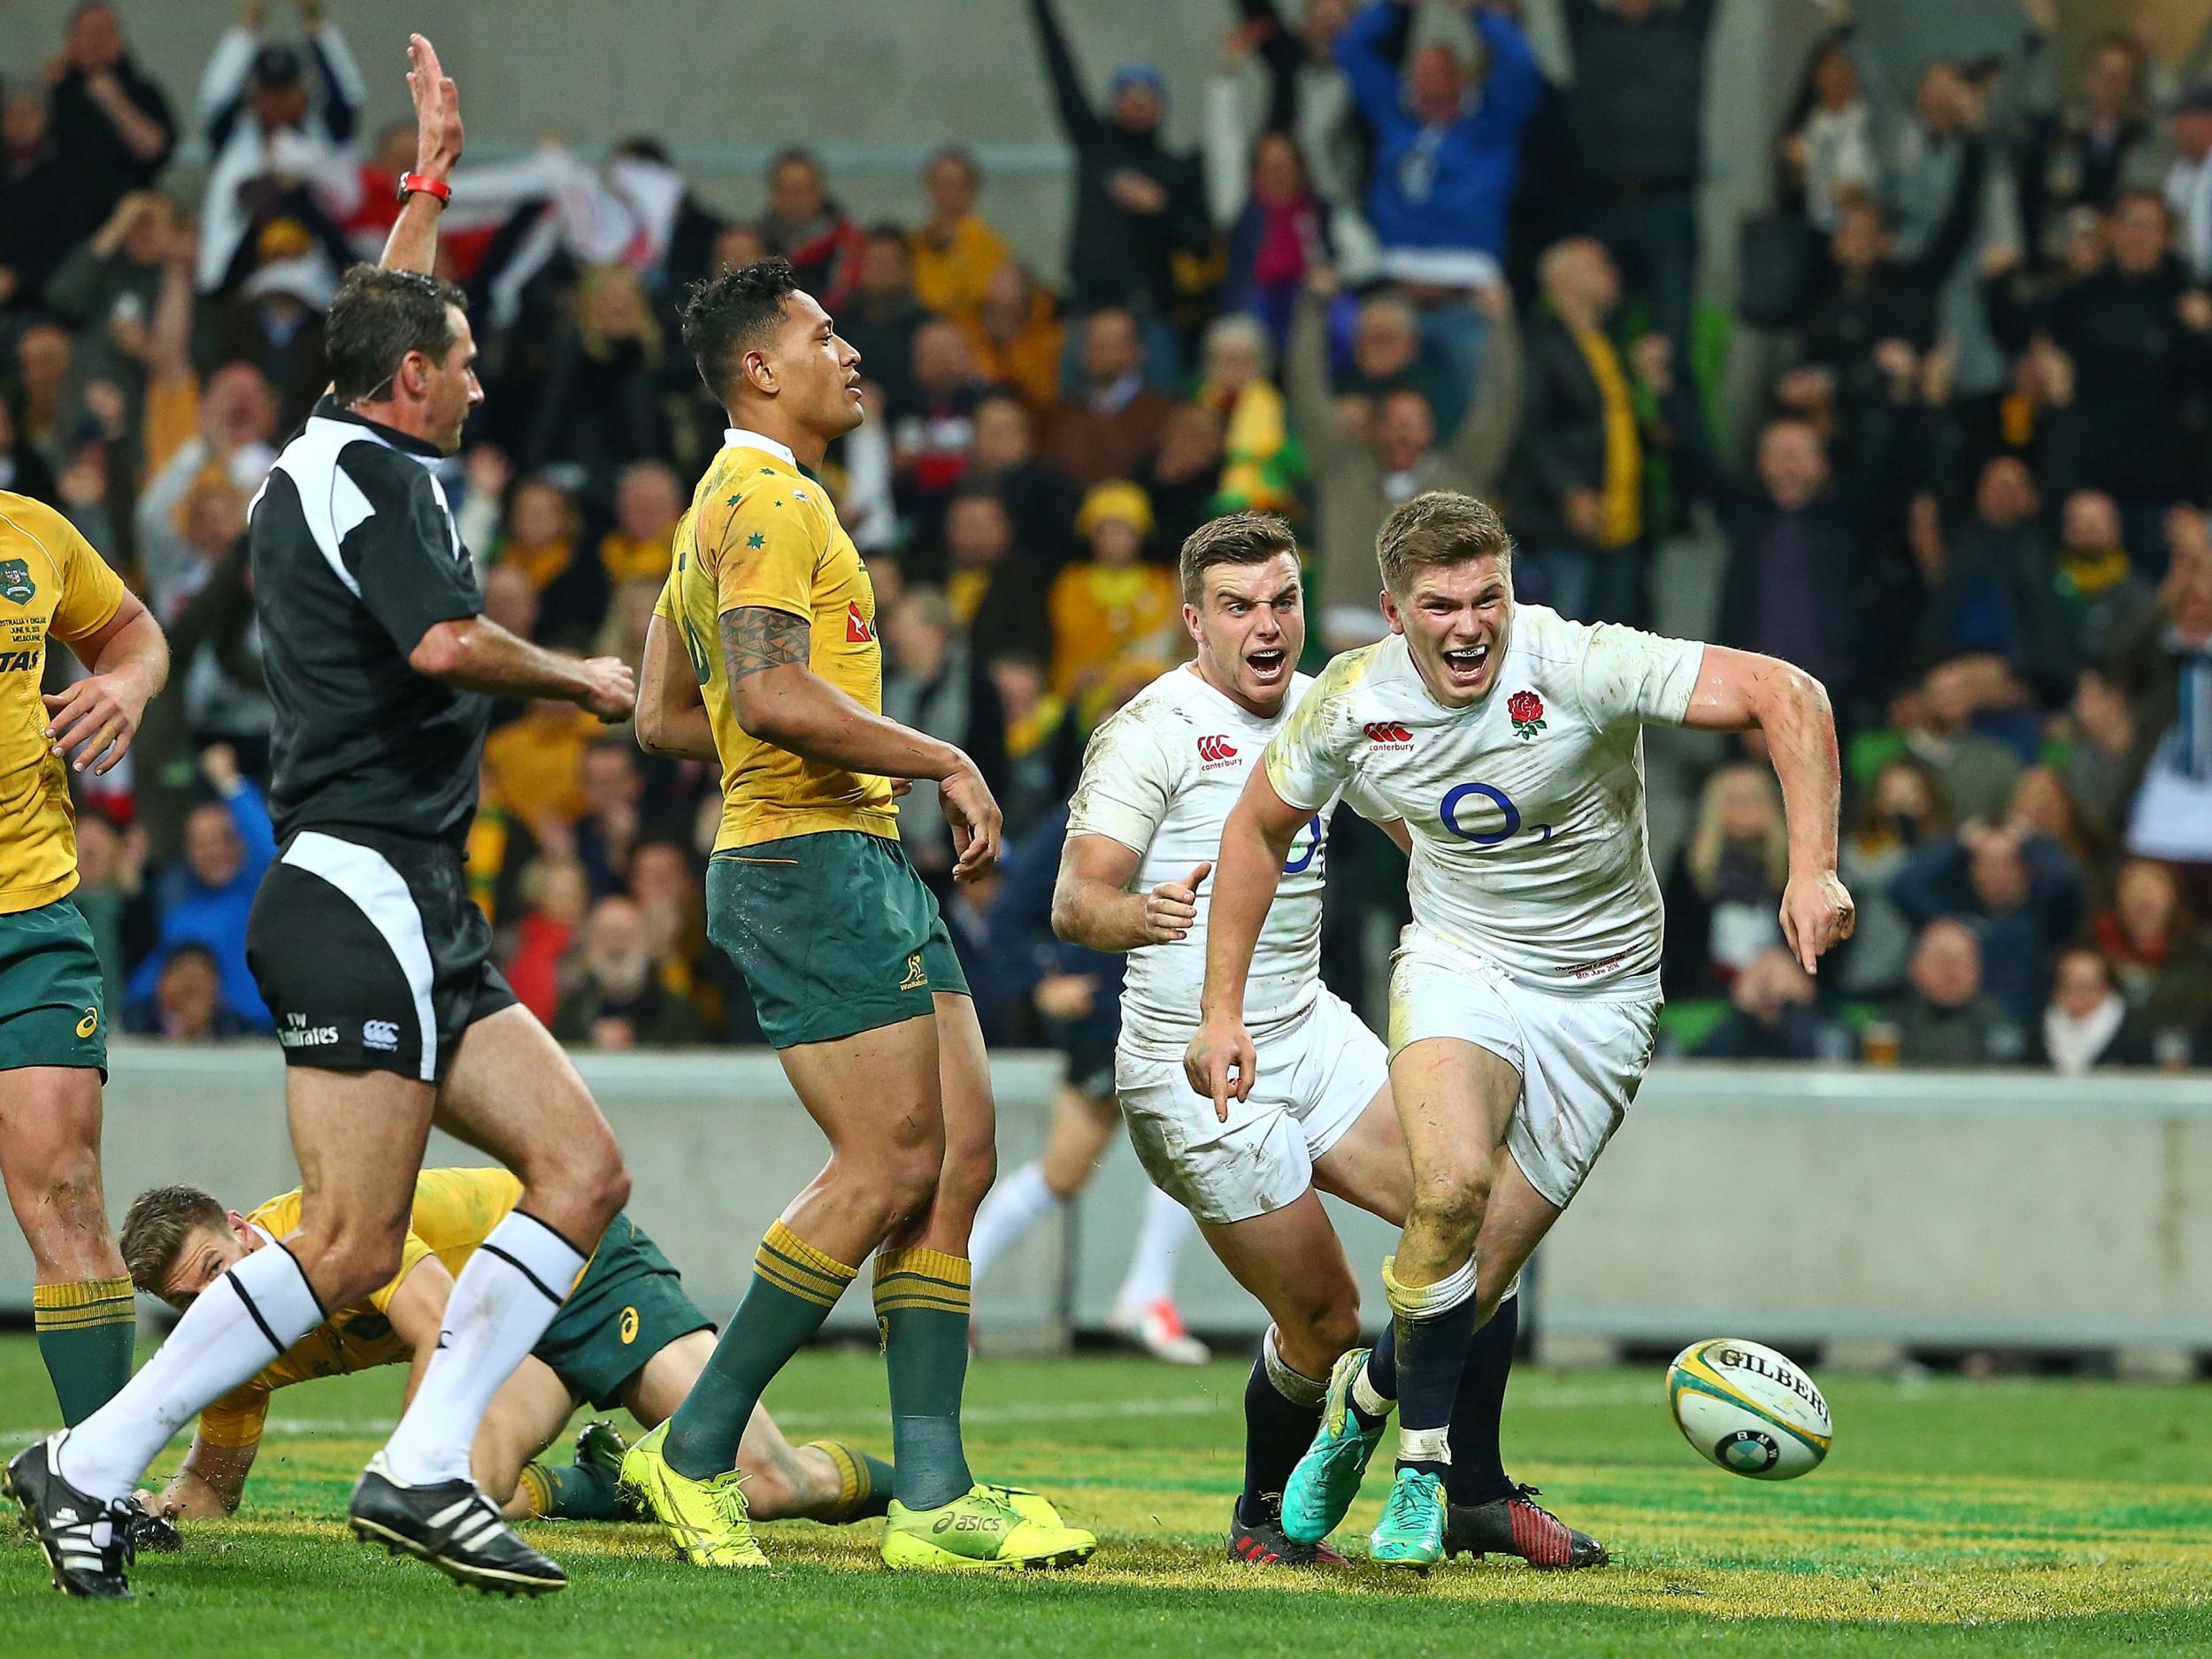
(1579, 501)
(1137, 206)
(879, 319)
(1107, 429)
(22, 468)
(1774, 1016)
(41, 216)
(275, 322)
(554, 894)
(2100, 597)
(227, 847)
(186, 1003)
(1954, 107)
(1307, 95)
(2189, 179)
(648, 499)
(1184, 481)
(1944, 1019)
(1017, 340)
(1832, 144)
(600, 407)
(269, 133)
(1369, 454)
(619, 1000)
(2045, 806)
(934, 683)
(45, 409)
(1936, 719)
(1041, 501)
(670, 898)
(1113, 615)
(1043, 744)
(932, 424)
(956, 253)
(1725, 899)
(806, 226)
(544, 541)
(2017, 890)
(2096, 145)
(189, 520)
(1262, 465)
(2101, 761)
(1633, 131)
(1387, 354)
(536, 766)
(1278, 227)
(106, 289)
(110, 118)
(2133, 337)
(215, 648)
(2149, 938)
(2166, 664)
(607, 832)
(1901, 811)
(111, 894)
(1445, 153)
(996, 585)
(2081, 1028)
(1987, 585)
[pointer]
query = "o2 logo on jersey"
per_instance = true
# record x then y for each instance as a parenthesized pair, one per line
(1297, 860)
(1462, 812)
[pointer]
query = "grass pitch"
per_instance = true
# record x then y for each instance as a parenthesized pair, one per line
(2014, 1517)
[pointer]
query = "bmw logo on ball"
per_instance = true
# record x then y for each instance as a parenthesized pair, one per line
(1748, 1451)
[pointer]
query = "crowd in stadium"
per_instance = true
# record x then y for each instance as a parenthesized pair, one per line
(1402, 259)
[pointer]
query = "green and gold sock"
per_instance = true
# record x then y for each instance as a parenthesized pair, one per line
(85, 1332)
(867, 1483)
(573, 1492)
(922, 1310)
(794, 1286)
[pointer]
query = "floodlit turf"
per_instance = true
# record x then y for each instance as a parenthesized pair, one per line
(2001, 1518)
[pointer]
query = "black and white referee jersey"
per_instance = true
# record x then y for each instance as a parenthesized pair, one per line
(355, 558)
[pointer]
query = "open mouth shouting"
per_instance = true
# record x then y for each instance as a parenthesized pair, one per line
(1268, 666)
(1467, 668)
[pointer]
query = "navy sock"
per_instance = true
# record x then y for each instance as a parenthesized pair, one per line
(1476, 1474)
(1432, 1353)
(1276, 1432)
(1382, 1374)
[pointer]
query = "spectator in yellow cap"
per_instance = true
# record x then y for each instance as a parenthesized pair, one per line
(1110, 608)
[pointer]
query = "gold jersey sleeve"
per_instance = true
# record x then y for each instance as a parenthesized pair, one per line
(454, 1211)
(762, 535)
(52, 582)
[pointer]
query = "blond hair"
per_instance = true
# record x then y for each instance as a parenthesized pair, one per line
(1438, 526)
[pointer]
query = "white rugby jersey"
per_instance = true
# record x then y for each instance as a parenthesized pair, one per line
(1526, 809)
(1160, 777)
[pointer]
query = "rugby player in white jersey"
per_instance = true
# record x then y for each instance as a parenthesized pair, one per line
(1524, 996)
(1158, 781)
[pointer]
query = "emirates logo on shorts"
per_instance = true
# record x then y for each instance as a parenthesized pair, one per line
(1216, 751)
(1388, 735)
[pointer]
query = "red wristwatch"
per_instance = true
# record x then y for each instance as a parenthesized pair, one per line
(410, 183)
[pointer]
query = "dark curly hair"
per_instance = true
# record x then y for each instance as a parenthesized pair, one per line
(731, 313)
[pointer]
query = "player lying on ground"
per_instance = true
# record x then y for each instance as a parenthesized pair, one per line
(627, 1334)
(1524, 998)
(53, 1028)
(1159, 779)
(851, 968)
(366, 945)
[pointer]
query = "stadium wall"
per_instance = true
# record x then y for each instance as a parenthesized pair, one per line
(1859, 1211)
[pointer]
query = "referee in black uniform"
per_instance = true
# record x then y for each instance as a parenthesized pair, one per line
(366, 945)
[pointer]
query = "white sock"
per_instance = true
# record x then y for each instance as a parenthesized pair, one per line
(1166, 1227)
(505, 1298)
(1009, 1212)
(243, 1321)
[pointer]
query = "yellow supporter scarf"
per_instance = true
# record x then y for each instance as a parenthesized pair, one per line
(1624, 488)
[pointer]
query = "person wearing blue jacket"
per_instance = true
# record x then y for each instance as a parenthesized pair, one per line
(1445, 154)
(228, 844)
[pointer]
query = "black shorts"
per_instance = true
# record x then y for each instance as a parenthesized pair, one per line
(371, 954)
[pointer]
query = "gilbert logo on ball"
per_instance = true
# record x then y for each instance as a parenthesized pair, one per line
(1749, 1410)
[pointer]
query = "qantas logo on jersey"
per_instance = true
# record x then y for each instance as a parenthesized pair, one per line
(21, 662)
(1214, 751)
(1388, 735)
(856, 629)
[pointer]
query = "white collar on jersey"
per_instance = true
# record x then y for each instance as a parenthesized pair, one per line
(738, 438)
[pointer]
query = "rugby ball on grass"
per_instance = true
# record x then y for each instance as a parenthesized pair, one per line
(1748, 1408)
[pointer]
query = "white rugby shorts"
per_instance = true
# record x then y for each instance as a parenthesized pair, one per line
(1313, 1082)
(1580, 1057)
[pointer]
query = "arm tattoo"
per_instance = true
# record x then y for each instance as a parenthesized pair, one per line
(755, 638)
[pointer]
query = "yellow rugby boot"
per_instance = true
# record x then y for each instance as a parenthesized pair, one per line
(979, 1531)
(704, 1518)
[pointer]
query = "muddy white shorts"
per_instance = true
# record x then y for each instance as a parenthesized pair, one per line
(1580, 1057)
(1313, 1082)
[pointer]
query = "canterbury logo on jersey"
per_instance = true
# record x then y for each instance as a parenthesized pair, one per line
(1388, 735)
(856, 629)
(1215, 751)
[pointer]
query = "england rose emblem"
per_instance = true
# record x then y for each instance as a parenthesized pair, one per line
(1527, 710)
